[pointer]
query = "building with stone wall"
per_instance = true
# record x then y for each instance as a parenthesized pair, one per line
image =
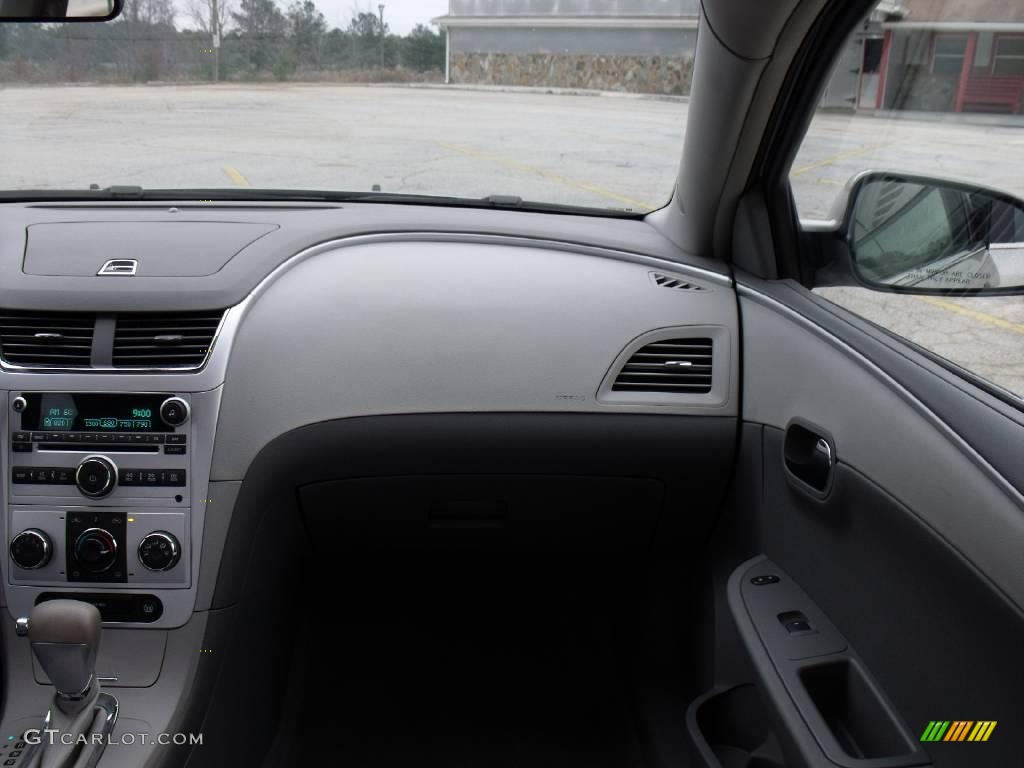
(643, 46)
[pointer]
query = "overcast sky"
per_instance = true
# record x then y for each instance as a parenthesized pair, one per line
(399, 15)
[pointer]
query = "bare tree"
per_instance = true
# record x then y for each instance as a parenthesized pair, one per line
(151, 11)
(211, 16)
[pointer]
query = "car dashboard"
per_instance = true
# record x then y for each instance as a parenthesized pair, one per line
(157, 361)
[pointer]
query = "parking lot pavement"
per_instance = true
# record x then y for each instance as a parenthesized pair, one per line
(596, 151)
(838, 146)
(612, 152)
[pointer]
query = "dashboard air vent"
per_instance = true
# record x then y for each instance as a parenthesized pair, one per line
(46, 339)
(678, 366)
(164, 339)
(667, 281)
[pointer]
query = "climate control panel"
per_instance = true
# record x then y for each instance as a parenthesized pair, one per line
(94, 546)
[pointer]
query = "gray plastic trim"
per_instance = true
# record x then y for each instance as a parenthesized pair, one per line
(910, 451)
(724, 365)
(547, 322)
(299, 228)
(211, 374)
(221, 500)
(181, 247)
(780, 657)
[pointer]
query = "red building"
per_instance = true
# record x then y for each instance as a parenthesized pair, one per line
(966, 56)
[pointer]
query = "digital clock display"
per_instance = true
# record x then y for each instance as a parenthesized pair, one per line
(92, 412)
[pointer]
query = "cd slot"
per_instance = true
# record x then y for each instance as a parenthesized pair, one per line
(109, 448)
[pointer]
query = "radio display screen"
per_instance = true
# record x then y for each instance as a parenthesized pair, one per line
(92, 412)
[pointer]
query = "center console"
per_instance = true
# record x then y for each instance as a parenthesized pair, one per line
(99, 493)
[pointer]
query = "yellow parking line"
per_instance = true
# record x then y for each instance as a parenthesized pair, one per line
(236, 177)
(550, 176)
(981, 317)
(841, 156)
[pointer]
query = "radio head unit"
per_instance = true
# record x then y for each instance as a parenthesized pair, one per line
(81, 439)
(97, 412)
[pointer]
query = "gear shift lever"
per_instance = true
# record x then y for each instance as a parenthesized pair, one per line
(65, 637)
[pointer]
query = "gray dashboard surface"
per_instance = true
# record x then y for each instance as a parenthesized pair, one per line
(297, 227)
(180, 248)
(392, 327)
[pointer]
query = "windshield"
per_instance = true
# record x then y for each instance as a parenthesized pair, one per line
(461, 98)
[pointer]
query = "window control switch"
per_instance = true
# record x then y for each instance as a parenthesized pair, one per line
(795, 623)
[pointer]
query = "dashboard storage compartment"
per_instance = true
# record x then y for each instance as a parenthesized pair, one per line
(854, 712)
(730, 729)
(455, 512)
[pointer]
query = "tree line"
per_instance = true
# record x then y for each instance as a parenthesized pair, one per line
(259, 40)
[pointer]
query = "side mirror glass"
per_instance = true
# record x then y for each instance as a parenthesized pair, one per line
(919, 235)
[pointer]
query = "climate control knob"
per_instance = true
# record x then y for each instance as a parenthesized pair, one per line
(96, 476)
(31, 549)
(159, 551)
(96, 550)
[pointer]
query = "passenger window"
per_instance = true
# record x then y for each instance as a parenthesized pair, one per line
(912, 93)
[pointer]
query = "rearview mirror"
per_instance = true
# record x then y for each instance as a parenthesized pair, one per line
(50, 11)
(913, 234)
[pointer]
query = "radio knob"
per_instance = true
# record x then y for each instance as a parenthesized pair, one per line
(31, 549)
(96, 476)
(174, 411)
(19, 404)
(96, 550)
(159, 551)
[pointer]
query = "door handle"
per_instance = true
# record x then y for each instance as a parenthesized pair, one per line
(809, 456)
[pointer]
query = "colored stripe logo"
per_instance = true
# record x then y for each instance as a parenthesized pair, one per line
(958, 730)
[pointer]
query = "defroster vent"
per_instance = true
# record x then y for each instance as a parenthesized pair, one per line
(164, 339)
(677, 366)
(46, 339)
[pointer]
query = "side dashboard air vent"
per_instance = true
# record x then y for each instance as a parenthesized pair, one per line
(677, 283)
(164, 339)
(676, 366)
(46, 339)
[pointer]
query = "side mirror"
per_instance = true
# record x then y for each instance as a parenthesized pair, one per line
(50, 11)
(913, 234)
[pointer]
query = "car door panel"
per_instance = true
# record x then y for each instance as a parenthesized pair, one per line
(912, 554)
(826, 705)
(795, 369)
